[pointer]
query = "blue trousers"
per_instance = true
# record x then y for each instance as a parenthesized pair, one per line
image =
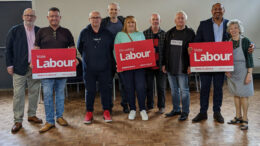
(134, 80)
(218, 81)
(104, 80)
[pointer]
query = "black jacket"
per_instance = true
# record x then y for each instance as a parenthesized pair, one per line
(17, 49)
(186, 36)
(96, 49)
(161, 33)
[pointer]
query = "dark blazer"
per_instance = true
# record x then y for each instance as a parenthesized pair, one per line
(17, 49)
(205, 32)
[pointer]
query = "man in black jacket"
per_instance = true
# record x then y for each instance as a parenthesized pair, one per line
(20, 41)
(158, 36)
(96, 48)
(176, 62)
(114, 24)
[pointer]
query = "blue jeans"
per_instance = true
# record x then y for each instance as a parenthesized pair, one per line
(58, 84)
(179, 86)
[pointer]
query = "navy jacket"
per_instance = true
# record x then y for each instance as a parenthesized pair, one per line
(205, 32)
(17, 49)
(96, 49)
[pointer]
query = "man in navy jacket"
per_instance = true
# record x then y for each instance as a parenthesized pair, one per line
(212, 30)
(96, 48)
(19, 43)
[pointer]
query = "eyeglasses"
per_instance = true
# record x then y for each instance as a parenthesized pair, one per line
(29, 15)
(54, 35)
(95, 17)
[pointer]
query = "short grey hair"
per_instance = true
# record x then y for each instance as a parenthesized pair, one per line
(114, 3)
(156, 14)
(235, 21)
(89, 15)
(183, 13)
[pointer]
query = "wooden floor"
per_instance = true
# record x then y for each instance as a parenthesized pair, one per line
(158, 131)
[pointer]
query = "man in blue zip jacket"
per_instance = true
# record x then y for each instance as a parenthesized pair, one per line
(96, 45)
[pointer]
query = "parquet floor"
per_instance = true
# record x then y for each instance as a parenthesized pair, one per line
(158, 131)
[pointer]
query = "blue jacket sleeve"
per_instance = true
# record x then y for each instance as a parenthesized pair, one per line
(9, 48)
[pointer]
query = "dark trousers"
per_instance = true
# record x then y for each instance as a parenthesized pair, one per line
(104, 84)
(134, 80)
(160, 85)
(218, 80)
(122, 91)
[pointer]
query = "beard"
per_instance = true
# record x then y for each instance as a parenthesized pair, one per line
(28, 23)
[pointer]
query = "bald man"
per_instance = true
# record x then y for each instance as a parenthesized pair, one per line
(20, 41)
(96, 45)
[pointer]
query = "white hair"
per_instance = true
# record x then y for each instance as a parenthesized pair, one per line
(114, 3)
(183, 13)
(235, 21)
(89, 15)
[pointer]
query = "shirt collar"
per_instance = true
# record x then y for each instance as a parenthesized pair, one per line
(28, 28)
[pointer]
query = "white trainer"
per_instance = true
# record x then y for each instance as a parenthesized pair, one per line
(132, 115)
(144, 115)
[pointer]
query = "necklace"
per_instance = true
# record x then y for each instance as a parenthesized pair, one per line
(235, 43)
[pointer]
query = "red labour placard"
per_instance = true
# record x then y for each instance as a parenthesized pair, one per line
(53, 63)
(135, 55)
(211, 57)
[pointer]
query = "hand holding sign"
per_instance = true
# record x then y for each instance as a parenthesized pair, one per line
(211, 57)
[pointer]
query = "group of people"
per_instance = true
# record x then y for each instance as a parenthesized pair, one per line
(96, 47)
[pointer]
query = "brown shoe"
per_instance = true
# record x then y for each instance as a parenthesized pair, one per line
(17, 126)
(62, 121)
(46, 127)
(34, 119)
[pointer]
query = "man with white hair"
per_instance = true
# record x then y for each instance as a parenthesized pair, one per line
(158, 36)
(114, 24)
(96, 45)
(176, 63)
(19, 43)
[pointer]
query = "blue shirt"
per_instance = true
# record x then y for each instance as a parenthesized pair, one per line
(218, 31)
(114, 28)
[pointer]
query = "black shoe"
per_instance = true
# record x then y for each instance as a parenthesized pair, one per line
(183, 116)
(125, 109)
(218, 117)
(172, 113)
(200, 117)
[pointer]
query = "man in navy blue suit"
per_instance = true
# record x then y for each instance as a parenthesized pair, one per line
(212, 30)
(19, 43)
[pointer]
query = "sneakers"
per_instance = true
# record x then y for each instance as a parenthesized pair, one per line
(88, 118)
(106, 116)
(144, 115)
(132, 115)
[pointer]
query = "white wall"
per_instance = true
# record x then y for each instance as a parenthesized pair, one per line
(75, 12)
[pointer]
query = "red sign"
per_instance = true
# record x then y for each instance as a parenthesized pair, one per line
(211, 57)
(53, 63)
(135, 55)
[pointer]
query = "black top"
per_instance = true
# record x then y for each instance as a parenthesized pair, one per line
(176, 58)
(48, 38)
